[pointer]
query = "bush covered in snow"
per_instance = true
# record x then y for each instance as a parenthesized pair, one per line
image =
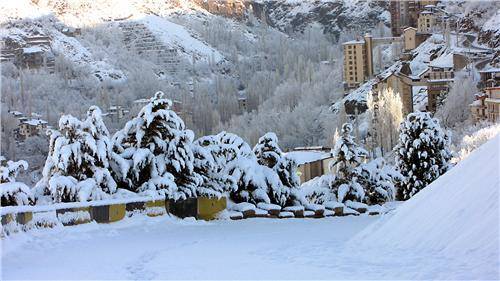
(422, 153)
(348, 155)
(473, 137)
(13, 193)
(156, 151)
(378, 179)
(77, 167)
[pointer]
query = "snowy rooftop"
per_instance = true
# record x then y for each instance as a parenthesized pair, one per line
(35, 122)
(353, 42)
(32, 50)
(444, 61)
(303, 157)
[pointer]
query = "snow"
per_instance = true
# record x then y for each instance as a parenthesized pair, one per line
(444, 61)
(177, 36)
(242, 207)
(455, 217)
(449, 230)
(32, 50)
(293, 208)
(268, 207)
(333, 204)
(303, 157)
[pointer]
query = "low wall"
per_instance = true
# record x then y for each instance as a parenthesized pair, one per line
(107, 211)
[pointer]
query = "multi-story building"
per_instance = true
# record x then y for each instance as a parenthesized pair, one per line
(492, 103)
(490, 77)
(406, 13)
(358, 62)
(441, 74)
(426, 21)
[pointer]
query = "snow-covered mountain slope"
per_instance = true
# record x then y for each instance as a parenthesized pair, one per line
(333, 15)
(292, 15)
(455, 216)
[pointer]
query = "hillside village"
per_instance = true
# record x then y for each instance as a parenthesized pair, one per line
(306, 139)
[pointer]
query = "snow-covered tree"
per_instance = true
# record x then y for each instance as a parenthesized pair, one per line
(455, 107)
(347, 156)
(269, 154)
(422, 154)
(267, 151)
(210, 162)
(156, 148)
(77, 167)
(12, 192)
(385, 111)
(378, 179)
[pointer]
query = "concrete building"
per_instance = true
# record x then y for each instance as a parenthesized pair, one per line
(441, 76)
(30, 127)
(357, 68)
(406, 13)
(412, 38)
(426, 22)
(478, 107)
(312, 161)
(490, 77)
(492, 103)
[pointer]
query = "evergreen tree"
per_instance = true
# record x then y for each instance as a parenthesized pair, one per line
(210, 163)
(77, 167)
(378, 180)
(267, 150)
(157, 151)
(422, 154)
(348, 155)
(269, 154)
(13, 193)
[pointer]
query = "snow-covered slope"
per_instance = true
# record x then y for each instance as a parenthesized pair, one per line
(456, 216)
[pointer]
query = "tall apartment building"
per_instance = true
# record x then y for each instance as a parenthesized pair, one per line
(358, 62)
(406, 13)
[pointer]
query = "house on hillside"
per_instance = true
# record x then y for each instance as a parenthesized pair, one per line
(29, 127)
(441, 76)
(312, 161)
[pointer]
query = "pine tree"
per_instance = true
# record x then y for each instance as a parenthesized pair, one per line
(210, 163)
(267, 150)
(269, 154)
(157, 151)
(13, 193)
(378, 179)
(422, 154)
(348, 155)
(77, 167)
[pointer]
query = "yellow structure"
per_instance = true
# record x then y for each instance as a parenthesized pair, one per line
(358, 62)
(426, 21)
(410, 38)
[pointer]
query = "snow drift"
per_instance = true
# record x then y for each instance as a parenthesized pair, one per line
(456, 216)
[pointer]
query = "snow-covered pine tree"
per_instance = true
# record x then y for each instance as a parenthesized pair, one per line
(76, 168)
(422, 153)
(378, 179)
(252, 182)
(210, 163)
(13, 193)
(95, 126)
(157, 151)
(267, 151)
(269, 154)
(348, 155)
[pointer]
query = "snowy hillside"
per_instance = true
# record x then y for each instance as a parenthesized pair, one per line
(456, 216)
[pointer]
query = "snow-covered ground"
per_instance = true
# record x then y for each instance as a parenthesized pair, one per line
(450, 230)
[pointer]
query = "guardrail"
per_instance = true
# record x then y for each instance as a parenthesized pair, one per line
(107, 211)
